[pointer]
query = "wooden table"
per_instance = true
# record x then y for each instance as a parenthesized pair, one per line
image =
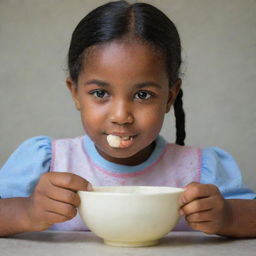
(86, 243)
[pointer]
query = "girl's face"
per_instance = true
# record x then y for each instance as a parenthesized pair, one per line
(123, 90)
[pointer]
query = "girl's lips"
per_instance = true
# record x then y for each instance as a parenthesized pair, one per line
(117, 141)
(121, 134)
(126, 143)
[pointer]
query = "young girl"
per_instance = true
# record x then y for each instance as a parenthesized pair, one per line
(124, 65)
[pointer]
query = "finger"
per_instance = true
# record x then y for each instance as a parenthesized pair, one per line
(201, 226)
(207, 227)
(63, 195)
(195, 191)
(204, 216)
(52, 218)
(60, 208)
(68, 180)
(197, 206)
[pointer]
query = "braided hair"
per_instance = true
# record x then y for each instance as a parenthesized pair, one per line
(180, 119)
(139, 21)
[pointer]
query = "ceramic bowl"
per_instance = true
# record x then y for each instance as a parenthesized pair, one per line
(130, 216)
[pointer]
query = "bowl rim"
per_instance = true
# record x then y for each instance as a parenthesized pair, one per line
(176, 190)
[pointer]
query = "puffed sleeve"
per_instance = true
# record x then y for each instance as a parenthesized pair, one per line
(28, 162)
(220, 168)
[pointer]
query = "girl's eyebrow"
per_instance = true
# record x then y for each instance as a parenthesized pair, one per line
(97, 82)
(138, 86)
(148, 84)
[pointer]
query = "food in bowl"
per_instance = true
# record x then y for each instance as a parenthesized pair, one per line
(130, 216)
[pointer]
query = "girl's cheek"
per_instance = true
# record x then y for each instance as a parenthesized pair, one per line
(154, 115)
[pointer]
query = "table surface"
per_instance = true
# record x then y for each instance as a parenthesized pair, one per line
(86, 243)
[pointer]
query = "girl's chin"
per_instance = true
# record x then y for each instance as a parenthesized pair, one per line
(120, 153)
(117, 155)
(127, 156)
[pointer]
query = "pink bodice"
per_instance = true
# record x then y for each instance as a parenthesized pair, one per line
(175, 166)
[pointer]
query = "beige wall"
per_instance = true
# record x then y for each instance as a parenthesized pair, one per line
(219, 52)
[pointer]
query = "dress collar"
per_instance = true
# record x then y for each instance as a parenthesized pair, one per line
(98, 160)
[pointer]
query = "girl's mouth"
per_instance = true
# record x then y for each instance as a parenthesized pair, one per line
(116, 141)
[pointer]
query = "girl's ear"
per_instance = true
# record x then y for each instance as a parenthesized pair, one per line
(73, 90)
(173, 92)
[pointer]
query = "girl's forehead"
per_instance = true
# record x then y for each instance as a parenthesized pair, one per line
(120, 48)
(124, 57)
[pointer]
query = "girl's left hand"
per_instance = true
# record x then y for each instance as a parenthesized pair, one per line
(204, 208)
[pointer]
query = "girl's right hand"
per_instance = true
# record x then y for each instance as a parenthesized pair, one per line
(54, 199)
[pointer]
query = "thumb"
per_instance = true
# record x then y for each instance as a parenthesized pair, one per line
(69, 181)
(85, 185)
(89, 187)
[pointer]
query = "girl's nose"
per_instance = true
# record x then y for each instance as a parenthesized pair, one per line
(121, 113)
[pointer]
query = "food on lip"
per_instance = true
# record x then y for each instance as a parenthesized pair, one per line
(115, 141)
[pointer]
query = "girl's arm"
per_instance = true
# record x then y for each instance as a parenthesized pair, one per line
(242, 218)
(54, 200)
(206, 210)
(13, 216)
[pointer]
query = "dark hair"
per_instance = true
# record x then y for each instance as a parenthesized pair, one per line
(119, 20)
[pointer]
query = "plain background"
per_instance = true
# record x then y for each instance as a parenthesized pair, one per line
(219, 78)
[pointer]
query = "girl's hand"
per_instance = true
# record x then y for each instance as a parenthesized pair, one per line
(54, 199)
(204, 208)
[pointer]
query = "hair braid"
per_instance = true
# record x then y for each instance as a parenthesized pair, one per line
(180, 119)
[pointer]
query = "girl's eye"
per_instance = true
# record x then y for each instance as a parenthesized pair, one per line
(143, 95)
(99, 93)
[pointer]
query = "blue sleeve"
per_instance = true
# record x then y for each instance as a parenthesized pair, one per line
(220, 168)
(21, 172)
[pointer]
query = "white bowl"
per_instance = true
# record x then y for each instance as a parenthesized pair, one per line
(130, 216)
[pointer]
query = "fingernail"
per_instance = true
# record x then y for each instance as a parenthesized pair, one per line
(89, 187)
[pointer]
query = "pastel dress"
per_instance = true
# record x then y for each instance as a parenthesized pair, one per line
(168, 165)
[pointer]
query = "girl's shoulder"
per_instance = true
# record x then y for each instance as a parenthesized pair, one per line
(35, 147)
(42, 142)
(220, 168)
(23, 168)
(215, 159)
(212, 160)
